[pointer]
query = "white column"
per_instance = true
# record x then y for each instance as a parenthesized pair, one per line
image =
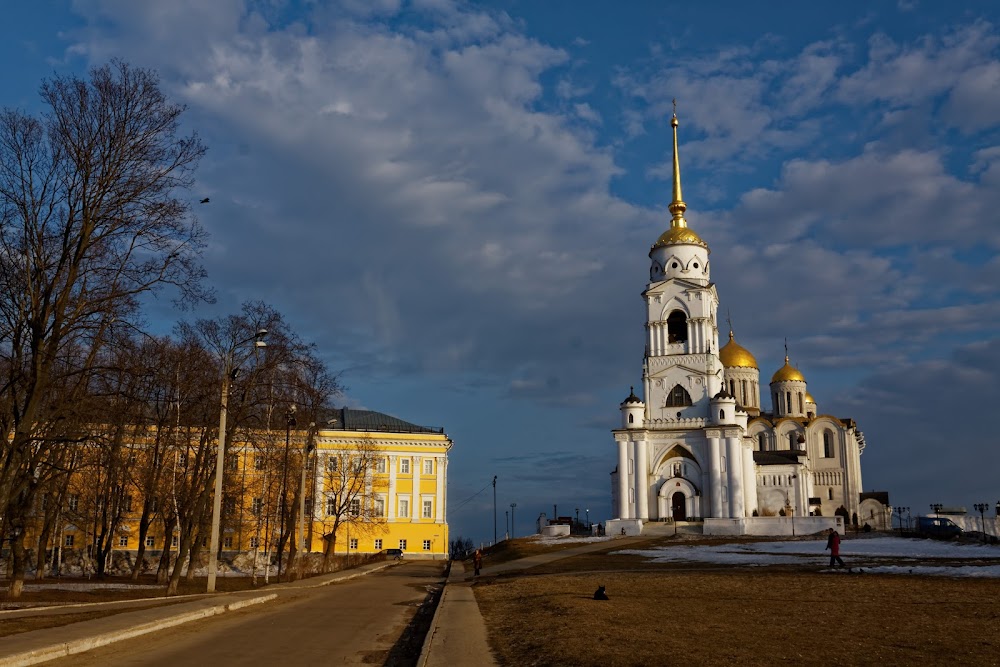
(390, 500)
(749, 482)
(641, 482)
(735, 474)
(623, 512)
(649, 338)
(439, 490)
(715, 477)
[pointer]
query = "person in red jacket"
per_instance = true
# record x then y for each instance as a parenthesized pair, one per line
(833, 544)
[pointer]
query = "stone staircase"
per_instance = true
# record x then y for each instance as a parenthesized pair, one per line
(665, 528)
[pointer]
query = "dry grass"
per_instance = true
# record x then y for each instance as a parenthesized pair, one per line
(515, 549)
(676, 617)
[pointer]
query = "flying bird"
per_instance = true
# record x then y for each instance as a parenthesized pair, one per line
(205, 200)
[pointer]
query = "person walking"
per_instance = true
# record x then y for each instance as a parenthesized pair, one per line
(833, 544)
(477, 561)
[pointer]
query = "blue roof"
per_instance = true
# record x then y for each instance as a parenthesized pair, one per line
(346, 419)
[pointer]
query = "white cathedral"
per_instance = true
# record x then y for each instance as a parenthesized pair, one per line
(700, 447)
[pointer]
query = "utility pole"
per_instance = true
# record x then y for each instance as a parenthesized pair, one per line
(494, 509)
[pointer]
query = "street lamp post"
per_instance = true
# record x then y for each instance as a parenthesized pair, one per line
(289, 425)
(936, 508)
(588, 518)
(899, 516)
(506, 524)
(512, 506)
(494, 509)
(981, 508)
(228, 374)
(578, 518)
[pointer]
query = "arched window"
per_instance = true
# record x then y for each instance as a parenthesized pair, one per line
(678, 397)
(631, 419)
(788, 401)
(761, 442)
(744, 385)
(732, 388)
(793, 440)
(802, 407)
(677, 328)
(827, 445)
(722, 415)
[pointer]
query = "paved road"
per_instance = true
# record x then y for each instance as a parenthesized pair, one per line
(351, 623)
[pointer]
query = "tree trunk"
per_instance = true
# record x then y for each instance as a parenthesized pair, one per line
(162, 572)
(17, 565)
(140, 557)
(175, 574)
(330, 549)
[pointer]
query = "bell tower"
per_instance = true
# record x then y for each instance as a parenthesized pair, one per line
(681, 370)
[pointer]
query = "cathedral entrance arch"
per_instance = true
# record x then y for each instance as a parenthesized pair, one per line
(678, 509)
(677, 494)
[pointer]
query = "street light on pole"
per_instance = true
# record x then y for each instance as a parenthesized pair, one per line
(289, 425)
(512, 506)
(981, 508)
(228, 375)
(494, 509)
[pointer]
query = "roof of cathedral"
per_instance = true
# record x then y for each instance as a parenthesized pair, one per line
(734, 355)
(346, 419)
(632, 398)
(679, 233)
(788, 373)
(810, 399)
(881, 496)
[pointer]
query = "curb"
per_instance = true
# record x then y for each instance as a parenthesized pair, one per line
(33, 657)
(425, 650)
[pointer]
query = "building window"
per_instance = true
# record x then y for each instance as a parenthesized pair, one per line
(310, 463)
(744, 385)
(802, 405)
(829, 495)
(227, 542)
(128, 504)
(722, 468)
(74, 502)
(254, 542)
(379, 507)
(427, 545)
(761, 442)
(174, 540)
(309, 506)
(259, 462)
(331, 463)
(228, 505)
(678, 397)
(793, 440)
(827, 445)
(428, 466)
(404, 508)
(402, 545)
(677, 470)
(123, 541)
(677, 330)
(378, 545)
(428, 510)
(404, 466)
(232, 462)
(150, 541)
(355, 507)
(331, 505)
(69, 540)
(631, 419)
(380, 465)
(722, 415)
(257, 506)
(354, 543)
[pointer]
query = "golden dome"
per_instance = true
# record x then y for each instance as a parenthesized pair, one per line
(788, 373)
(810, 399)
(678, 236)
(734, 355)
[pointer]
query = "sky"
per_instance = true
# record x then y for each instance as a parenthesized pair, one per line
(455, 202)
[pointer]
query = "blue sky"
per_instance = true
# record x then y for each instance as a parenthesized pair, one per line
(456, 201)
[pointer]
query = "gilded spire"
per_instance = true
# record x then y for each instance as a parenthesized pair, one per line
(677, 206)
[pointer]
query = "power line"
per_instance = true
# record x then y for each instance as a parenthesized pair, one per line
(466, 501)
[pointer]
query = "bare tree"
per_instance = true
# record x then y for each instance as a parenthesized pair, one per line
(349, 496)
(93, 214)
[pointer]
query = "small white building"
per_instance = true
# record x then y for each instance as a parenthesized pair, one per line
(700, 445)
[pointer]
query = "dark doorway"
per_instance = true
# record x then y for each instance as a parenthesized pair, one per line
(677, 507)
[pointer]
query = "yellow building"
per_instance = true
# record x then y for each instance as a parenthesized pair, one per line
(381, 482)
(401, 473)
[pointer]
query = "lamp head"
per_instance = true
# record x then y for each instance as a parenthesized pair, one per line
(260, 343)
(261, 333)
